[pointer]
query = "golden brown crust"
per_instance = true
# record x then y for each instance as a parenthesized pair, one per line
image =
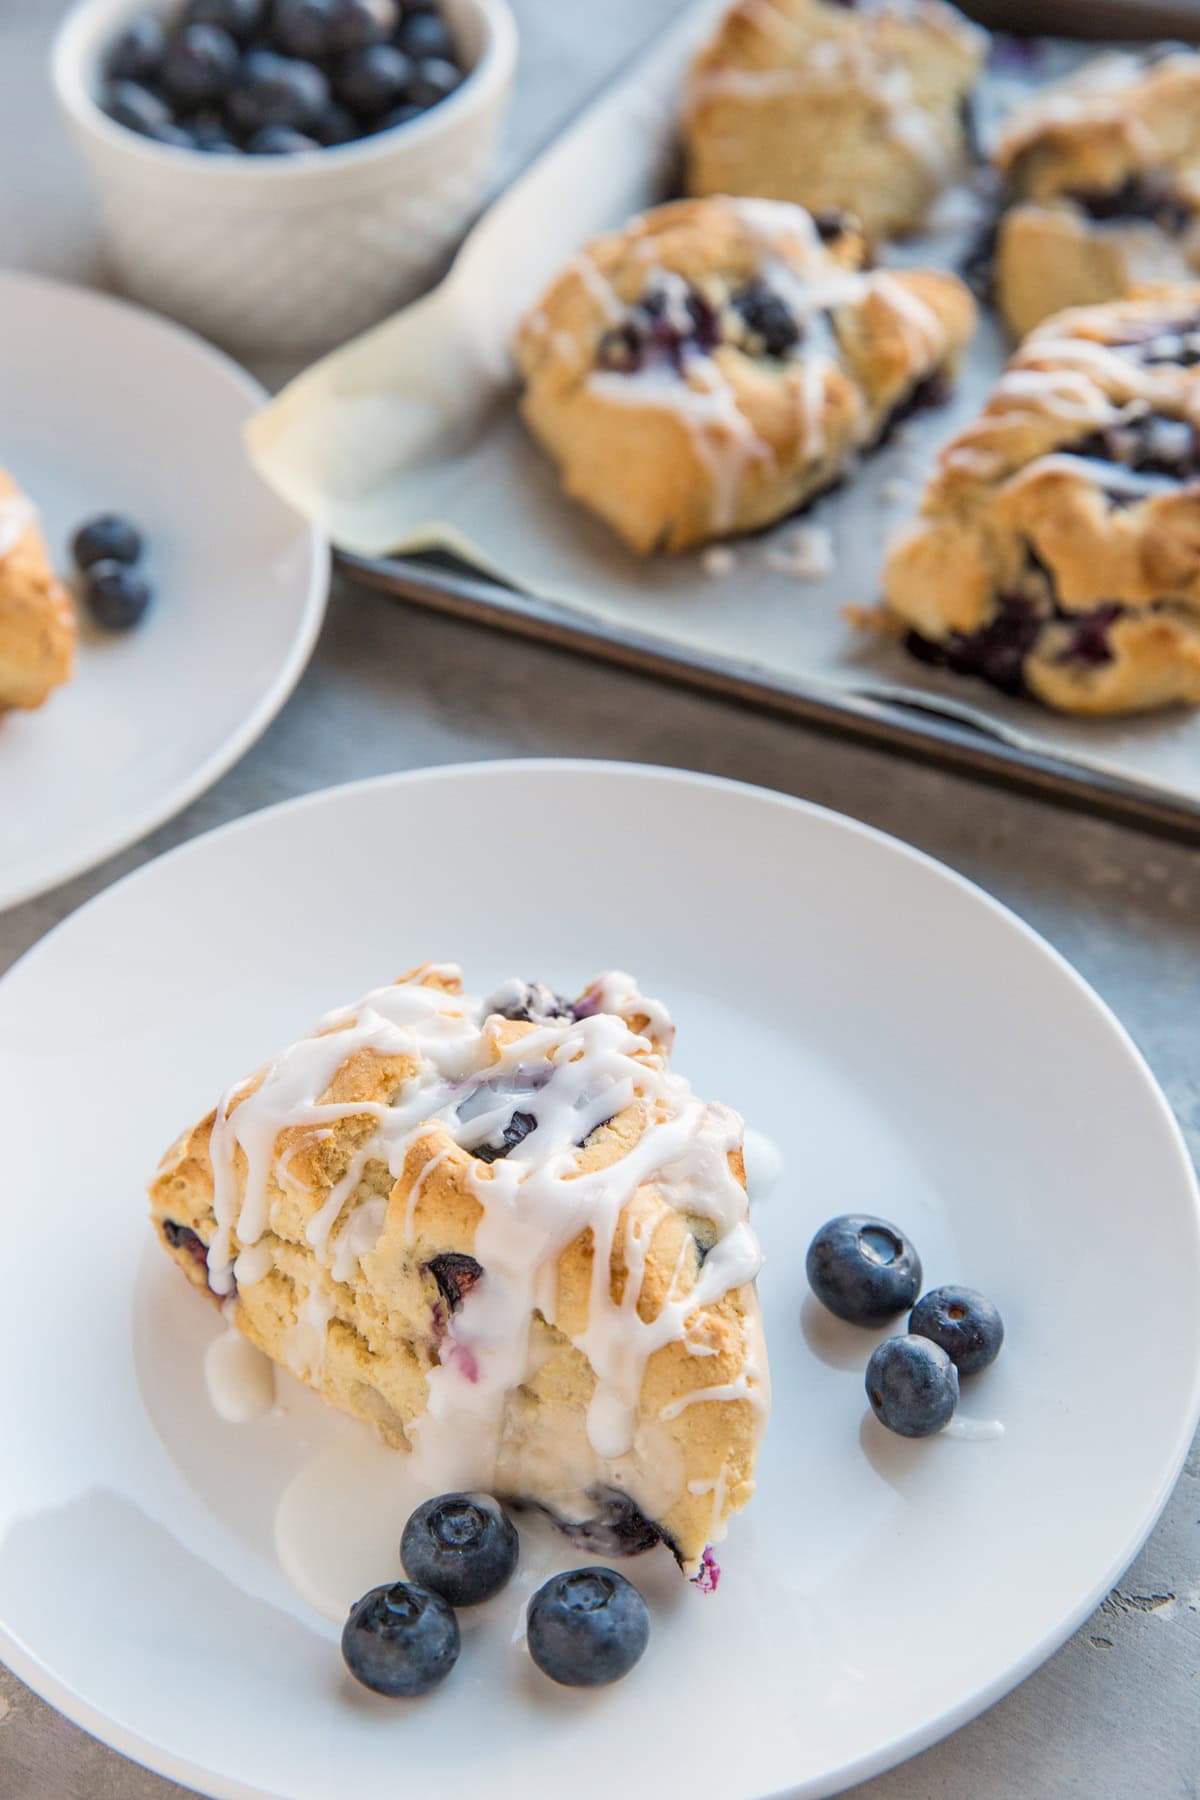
(720, 437)
(388, 1318)
(1121, 139)
(828, 107)
(37, 619)
(1066, 516)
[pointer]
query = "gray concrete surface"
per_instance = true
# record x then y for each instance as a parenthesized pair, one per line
(1115, 1715)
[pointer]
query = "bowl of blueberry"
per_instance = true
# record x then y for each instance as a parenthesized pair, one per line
(280, 174)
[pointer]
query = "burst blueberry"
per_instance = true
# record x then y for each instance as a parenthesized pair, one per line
(863, 1269)
(912, 1386)
(462, 1546)
(963, 1322)
(400, 1640)
(587, 1628)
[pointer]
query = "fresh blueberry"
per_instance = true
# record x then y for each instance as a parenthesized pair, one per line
(116, 594)
(400, 1640)
(279, 140)
(207, 132)
(240, 18)
(863, 1269)
(912, 1386)
(357, 23)
(372, 81)
(426, 34)
(178, 136)
(135, 107)
(136, 54)
(399, 115)
(107, 538)
(335, 125)
(199, 66)
(461, 1546)
(303, 27)
(587, 1627)
(277, 90)
(432, 80)
(963, 1322)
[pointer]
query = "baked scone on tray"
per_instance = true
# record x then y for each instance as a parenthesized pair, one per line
(1101, 178)
(1057, 552)
(37, 619)
(721, 362)
(508, 1237)
(833, 106)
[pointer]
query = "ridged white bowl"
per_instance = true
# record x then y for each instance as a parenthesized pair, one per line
(288, 254)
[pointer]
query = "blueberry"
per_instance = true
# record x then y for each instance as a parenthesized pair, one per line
(514, 1133)
(832, 223)
(912, 1386)
(433, 79)
(178, 136)
(240, 18)
(963, 1323)
(303, 27)
(279, 140)
(767, 317)
(106, 538)
(357, 23)
(207, 132)
(277, 90)
(455, 1274)
(863, 1269)
(461, 1546)
(373, 80)
(399, 115)
(400, 1640)
(199, 66)
(587, 1627)
(136, 54)
(136, 107)
(426, 34)
(116, 594)
(527, 1000)
(334, 125)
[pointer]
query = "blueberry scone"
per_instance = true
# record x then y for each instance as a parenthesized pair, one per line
(828, 105)
(37, 620)
(1101, 179)
(507, 1236)
(1057, 553)
(720, 362)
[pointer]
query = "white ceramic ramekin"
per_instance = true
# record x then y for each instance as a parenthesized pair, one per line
(287, 254)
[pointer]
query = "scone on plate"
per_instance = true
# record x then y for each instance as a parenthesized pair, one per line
(1102, 186)
(832, 106)
(37, 620)
(505, 1235)
(1057, 553)
(720, 362)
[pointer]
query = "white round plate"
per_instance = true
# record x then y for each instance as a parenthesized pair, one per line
(108, 408)
(911, 1047)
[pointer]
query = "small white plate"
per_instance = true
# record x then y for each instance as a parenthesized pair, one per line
(107, 408)
(912, 1048)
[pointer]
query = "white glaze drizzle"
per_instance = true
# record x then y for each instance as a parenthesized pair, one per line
(571, 1075)
(16, 516)
(1111, 477)
(976, 1430)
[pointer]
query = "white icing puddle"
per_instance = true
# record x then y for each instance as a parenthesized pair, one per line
(763, 1164)
(239, 1378)
(974, 1429)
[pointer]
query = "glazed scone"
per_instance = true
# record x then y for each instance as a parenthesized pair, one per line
(832, 106)
(1101, 179)
(720, 362)
(1057, 553)
(37, 620)
(505, 1235)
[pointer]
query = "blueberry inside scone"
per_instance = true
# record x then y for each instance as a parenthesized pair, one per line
(507, 1236)
(720, 362)
(37, 620)
(833, 105)
(1057, 554)
(1100, 183)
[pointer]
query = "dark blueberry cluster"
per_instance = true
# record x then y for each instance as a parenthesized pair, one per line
(182, 1237)
(1177, 342)
(616, 1528)
(107, 552)
(1150, 197)
(1146, 441)
(274, 77)
(514, 1133)
(995, 653)
(771, 327)
(662, 326)
(534, 1002)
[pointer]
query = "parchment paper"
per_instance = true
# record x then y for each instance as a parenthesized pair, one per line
(408, 439)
